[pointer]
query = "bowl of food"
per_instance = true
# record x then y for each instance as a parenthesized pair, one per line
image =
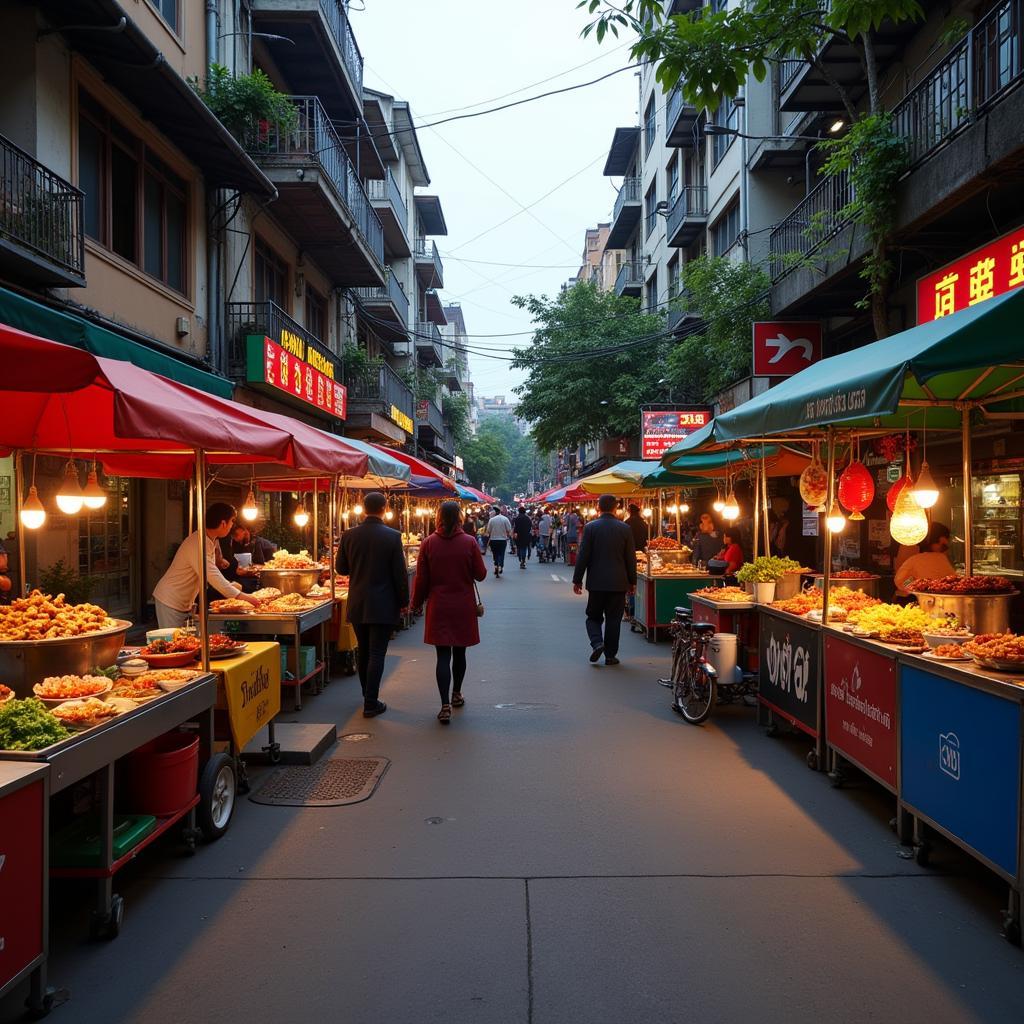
(182, 649)
(944, 636)
(54, 690)
(134, 667)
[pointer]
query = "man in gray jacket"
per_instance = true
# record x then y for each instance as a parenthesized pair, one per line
(608, 559)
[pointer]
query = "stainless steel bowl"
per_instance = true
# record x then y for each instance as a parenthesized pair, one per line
(983, 613)
(23, 663)
(290, 581)
(869, 586)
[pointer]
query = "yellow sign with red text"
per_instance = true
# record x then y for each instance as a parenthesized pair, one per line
(251, 686)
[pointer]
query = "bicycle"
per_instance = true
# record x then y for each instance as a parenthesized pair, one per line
(694, 682)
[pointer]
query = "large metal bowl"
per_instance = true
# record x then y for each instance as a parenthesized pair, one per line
(868, 585)
(23, 663)
(290, 581)
(982, 613)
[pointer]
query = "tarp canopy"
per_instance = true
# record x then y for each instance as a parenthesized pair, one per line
(479, 496)
(417, 467)
(968, 359)
(779, 460)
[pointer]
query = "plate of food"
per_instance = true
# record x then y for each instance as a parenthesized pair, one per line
(264, 594)
(902, 637)
(223, 646)
(136, 689)
(944, 636)
(912, 648)
(183, 649)
(6, 693)
(84, 712)
(231, 606)
(1003, 652)
(170, 679)
(947, 652)
(54, 690)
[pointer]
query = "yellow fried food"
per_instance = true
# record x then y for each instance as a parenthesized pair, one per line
(42, 617)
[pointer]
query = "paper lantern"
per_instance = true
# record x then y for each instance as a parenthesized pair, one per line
(814, 484)
(909, 523)
(894, 492)
(856, 489)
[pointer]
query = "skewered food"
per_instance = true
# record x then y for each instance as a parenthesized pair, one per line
(963, 585)
(69, 687)
(28, 725)
(42, 617)
(85, 712)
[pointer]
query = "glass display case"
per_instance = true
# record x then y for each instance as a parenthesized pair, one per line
(996, 530)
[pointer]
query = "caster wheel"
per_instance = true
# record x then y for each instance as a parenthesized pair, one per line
(37, 1011)
(1011, 930)
(275, 753)
(812, 760)
(922, 855)
(837, 778)
(244, 786)
(218, 785)
(771, 730)
(894, 824)
(108, 926)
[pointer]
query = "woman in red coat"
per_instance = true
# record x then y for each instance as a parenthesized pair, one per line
(449, 563)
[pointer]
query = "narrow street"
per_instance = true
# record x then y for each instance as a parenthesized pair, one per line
(568, 850)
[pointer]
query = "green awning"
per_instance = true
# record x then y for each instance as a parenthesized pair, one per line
(971, 358)
(35, 318)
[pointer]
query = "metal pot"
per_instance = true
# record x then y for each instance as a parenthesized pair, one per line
(23, 663)
(869, 586)
(788, 586)
(981, 613)
(290, 581)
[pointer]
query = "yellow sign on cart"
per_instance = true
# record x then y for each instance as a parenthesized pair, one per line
(251, 686)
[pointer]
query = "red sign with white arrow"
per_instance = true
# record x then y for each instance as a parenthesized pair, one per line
(782, 348)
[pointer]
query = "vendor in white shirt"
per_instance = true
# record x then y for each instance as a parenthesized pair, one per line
(178, 588)
(929, 563)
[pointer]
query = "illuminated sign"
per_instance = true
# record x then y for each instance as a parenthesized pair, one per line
(662, 428)
(782, 348)
(279, 368)
(983, 274)
(399, 417)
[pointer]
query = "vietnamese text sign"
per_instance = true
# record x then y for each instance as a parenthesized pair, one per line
(782, 348)
(662, 428)
(270, 364)
(404, 420)
(252, 688)
(860, 706)
(790, 669)
(983, 274)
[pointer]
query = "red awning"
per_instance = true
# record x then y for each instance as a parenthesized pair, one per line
(418, 466)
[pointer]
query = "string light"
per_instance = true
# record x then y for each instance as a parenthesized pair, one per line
(684, 508)
(648, 512)
(70, 498)
(389, 515)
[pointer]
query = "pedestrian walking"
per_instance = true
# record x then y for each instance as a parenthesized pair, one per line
(572, 531)
(449, 567)
(522, 528)
(371, 556)
(499, 529)
(544, 528)
(607, 559)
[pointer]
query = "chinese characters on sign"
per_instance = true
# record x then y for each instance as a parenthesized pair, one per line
(274, 366)
(662, 428)
(784, 348)
(983, 274)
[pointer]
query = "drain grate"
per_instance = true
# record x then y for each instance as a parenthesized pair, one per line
(332, 783)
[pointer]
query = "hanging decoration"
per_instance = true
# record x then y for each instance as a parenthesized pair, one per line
(909, 523)
(814, 482)
(926, 491)
(856, 488)
(301, 516)
(894, 492)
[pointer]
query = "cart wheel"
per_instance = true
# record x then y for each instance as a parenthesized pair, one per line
(190, 837)
(922, 855)
(41, 1009)
(1011, 929)
(771, 730)
(108, 926)
(217, 788)
(812, 760)
(274, 753)
(837, 778)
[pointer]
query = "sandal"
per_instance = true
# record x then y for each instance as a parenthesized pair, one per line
(458, 700)
(444, 716)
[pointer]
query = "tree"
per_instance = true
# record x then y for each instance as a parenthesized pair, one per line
(486, 460)
(587, 373)
(709, 55)
(524, 460)
(456, 412)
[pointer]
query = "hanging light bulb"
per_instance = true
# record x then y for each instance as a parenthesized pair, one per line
(389, 515)
(94, 496)
(250, 510)
(684, 508)
(32, 514)
(648, 512)
(925, 490)
(909, 523)
(718, 505)
(731, 508)
(301, 517)
(835, 520)
(672, 509)
(357, 510)
(70, 498)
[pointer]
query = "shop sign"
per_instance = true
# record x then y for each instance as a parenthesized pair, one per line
(860, 707)
(281, 370)
(983, 274)
(785, 347)
(252, 688)
(421, 410)
(402, 419)
(662, 428)
(790, 670)
(960, 762)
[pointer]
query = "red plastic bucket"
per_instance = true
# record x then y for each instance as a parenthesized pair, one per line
(163, 775)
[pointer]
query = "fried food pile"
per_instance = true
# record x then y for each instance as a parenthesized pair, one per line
(42, 617)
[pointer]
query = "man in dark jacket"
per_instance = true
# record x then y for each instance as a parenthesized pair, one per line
(523, 528)
(608, 559)
(378, 589)
(636, 524)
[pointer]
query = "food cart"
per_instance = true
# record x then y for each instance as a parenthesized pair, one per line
(731, 616)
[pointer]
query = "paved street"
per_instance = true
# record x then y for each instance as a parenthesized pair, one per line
(596, 860)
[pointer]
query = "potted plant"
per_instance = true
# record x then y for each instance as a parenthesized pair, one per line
(762, 574)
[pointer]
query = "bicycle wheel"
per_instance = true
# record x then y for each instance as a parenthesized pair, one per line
(696, 696)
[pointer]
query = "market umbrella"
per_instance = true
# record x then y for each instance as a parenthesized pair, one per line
(417, 466)
(478, 495)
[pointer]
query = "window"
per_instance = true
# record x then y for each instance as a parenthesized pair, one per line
(650, 125)
(271, 277)
(316, 313)
(652, 293)
(134, 205)
(726, 230)
(651, 208)
(169, 12)
(728, 116)
(672, 180)
(673, 277)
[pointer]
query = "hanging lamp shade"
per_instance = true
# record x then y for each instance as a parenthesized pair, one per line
(909, 523)
(70, 498)
(814, 483)
(93, 496)
(894, 492)
(856, 489)
(33, 515)
(731, 508)
(926, 490)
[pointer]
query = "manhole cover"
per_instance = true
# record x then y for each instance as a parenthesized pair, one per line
(355, 737)
(526, 706)
(340, 780)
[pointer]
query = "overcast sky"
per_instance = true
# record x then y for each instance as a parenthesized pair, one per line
(445, 54)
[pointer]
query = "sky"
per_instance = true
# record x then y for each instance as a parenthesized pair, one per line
(440, 55)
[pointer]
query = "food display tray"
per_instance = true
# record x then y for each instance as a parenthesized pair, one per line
(262, 623)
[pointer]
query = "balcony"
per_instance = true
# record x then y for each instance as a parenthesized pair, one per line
(428, 344)
(41, 239)
(317, 51)
(630, 279)
(321, 201)
(435, 307)
(429, 267)
(429, 418)
(380, 406)
(680, 121)
(388, 306)
(386, 198)
(453, 373)
(688, 216)
(626, 214)
(684, 6)
(266, 320)
(816, 219)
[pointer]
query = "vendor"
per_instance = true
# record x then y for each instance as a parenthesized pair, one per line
(5, 577)
(178, 588)
(929, 563)
(636, 523)
(707, 543)
(731, 552)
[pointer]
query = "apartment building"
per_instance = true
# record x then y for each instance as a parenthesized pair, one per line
(600, 264)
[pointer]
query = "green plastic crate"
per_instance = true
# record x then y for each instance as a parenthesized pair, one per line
(78, 845)
(307, 660)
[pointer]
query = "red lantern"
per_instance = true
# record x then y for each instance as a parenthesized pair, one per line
(894, 492)
(856, 489)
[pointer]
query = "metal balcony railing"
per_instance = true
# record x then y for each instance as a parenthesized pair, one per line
(691, 202)
(428, 414)
(334, 13)
(383, 388)
(429, 337)
(672, 107)
(630, 275)
(243, 319)
(40, 211)
(629, 193)
(387, 190)
(426, 251)
(314, 137)
(392, 292)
